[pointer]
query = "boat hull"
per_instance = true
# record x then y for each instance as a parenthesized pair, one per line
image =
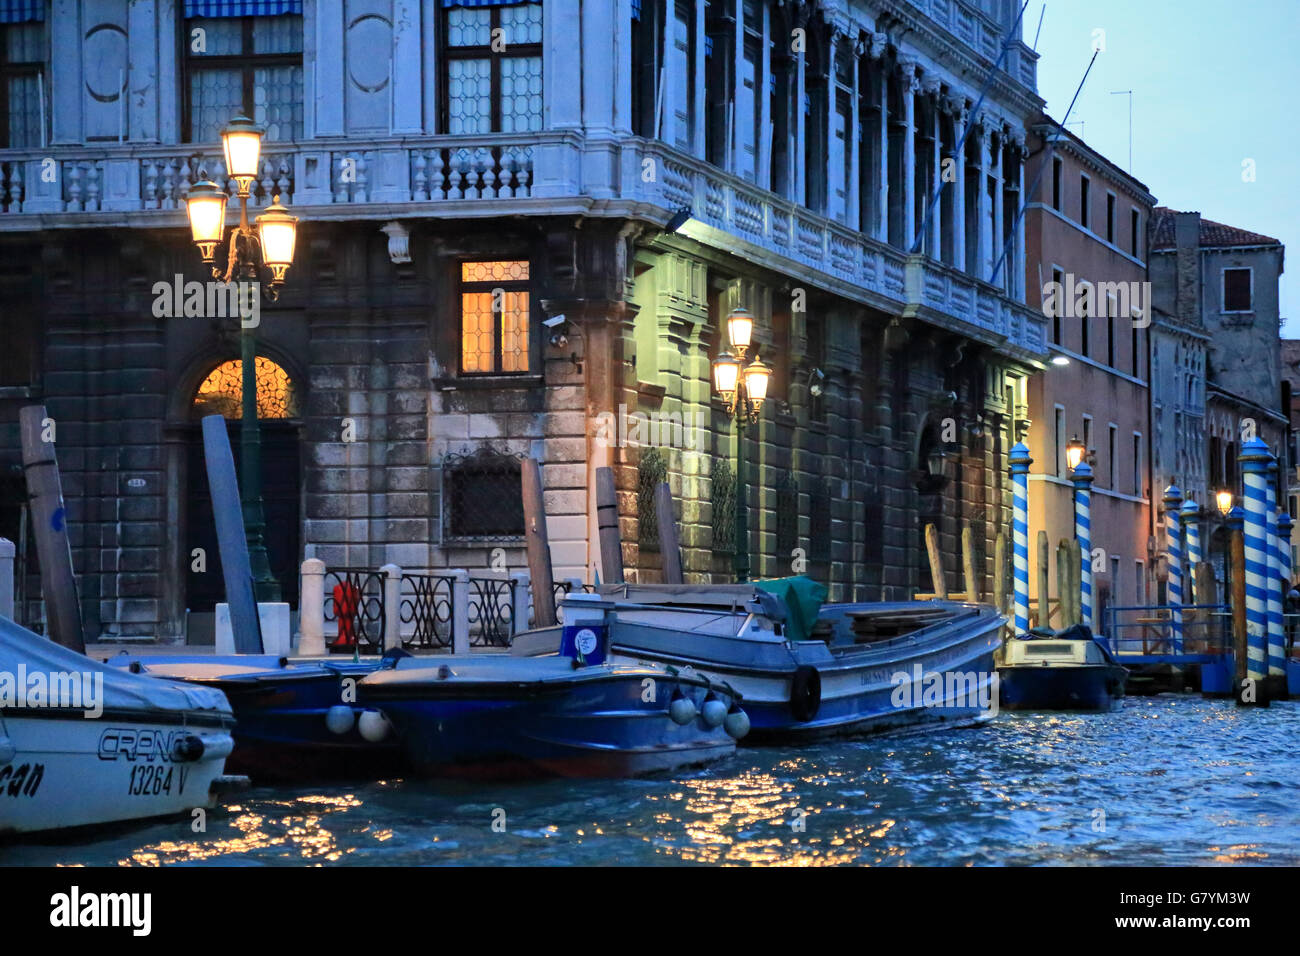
(281, 734)
(67, 771)
(595, 724)
(865, 689)
(1098, 687)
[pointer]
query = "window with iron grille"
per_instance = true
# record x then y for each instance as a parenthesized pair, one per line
(482, 496)
(819, 521)
(651, 470)
(494, 318)
(22, 63)
(723, 500)
(492, 68)
(787, 517)
(243, 65)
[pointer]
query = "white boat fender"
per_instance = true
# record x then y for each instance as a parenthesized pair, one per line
(681, 708)
(229, 783)
(714, 711)
(339, 719)
(737, 722)
(805, 693)
(374, 725)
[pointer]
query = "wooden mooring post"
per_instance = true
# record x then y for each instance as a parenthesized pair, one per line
(611, 545)
(539, 548)
(669, 547)
(1044, 591)
(50, 527)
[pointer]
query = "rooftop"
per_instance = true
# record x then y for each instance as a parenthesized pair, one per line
(1214, 235)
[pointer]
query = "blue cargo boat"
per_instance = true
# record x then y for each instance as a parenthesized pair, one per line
(807, 669)
(570, 714)
(296, 719)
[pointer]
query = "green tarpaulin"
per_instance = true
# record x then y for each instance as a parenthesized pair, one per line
(803, 598)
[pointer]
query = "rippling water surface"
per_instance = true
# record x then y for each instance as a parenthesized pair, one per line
(1164, 781)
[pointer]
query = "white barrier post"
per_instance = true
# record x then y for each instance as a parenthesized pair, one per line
(459, 612)
(522, 593)
(392, 606)
(311, 612)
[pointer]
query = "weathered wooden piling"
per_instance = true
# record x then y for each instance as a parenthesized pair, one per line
(228, 515)
(940, 588)
(538, 545)
(50, 526)
(1044, 591)
(968, 563)
(1000, 572)
(611, 545)
(669, 545)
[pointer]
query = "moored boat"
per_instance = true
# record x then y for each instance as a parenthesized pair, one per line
(571, 713)
(298, 718)
(1065, 670)
(82, 744)
(806, 669)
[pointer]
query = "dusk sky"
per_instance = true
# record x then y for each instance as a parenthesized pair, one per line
(1213, 86)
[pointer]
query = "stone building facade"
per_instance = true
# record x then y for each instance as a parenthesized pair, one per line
(484, 272)
(1087, 266)
(1216, 356)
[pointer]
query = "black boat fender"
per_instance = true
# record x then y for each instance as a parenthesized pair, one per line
(805, 693)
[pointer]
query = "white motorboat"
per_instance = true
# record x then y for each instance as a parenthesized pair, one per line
(83, 744)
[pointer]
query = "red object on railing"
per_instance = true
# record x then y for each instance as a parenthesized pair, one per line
(347, 601)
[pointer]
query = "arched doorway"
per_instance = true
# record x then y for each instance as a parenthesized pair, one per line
(219, 393)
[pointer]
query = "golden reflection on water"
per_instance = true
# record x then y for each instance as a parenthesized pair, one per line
(301, 834)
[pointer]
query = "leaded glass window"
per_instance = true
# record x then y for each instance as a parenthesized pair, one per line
(494, 311)
(22, 62)
(221, 393)
(492, 60)
(248, 65)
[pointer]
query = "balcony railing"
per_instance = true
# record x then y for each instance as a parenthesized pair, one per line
(866, 268)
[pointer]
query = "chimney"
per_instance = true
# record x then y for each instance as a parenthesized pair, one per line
(1187, 242)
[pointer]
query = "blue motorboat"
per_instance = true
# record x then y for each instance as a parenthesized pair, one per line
(1060, 670)
(571, 713)
(805, 668)
(297, 718)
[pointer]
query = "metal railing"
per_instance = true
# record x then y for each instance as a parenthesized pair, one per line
(1155, 630)
(426, 609)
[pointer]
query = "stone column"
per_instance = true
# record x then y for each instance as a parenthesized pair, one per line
(879, 45)
(957, 106)
(932, 194)
(910, 86)
(854, 133)
(981, 136)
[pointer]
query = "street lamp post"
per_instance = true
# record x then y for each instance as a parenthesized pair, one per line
(743, 392)
(271, 239)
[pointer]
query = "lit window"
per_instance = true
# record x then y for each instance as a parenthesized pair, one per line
(221, 393)
(494, 310)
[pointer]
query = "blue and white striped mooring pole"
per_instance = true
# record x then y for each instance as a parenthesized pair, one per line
(1285, 570)
(1254, 461)
(1082, 478)
(1020, 462)
(1276, 623)
(1192, 534)
(1174, 555)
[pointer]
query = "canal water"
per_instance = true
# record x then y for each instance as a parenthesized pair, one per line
(1166, 780)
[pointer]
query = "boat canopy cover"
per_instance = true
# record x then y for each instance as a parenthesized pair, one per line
(121, 689)
(803, 598)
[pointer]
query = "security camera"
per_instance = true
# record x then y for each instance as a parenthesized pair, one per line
(554, 321)
(816, 382)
